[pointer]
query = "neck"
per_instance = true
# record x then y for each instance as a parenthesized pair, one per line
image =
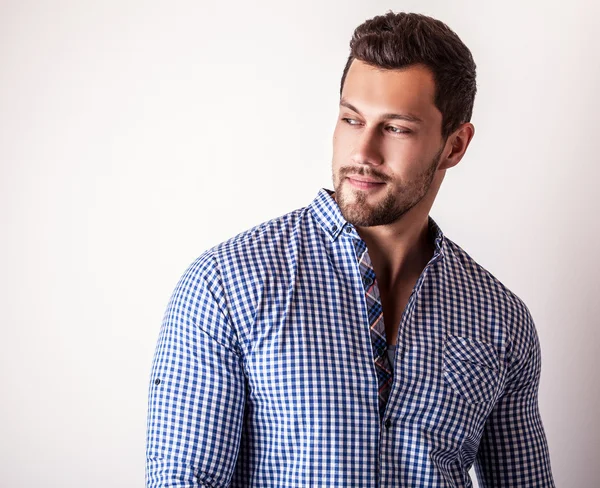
(399, 252)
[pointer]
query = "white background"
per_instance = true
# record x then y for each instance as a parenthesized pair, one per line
(134, 135)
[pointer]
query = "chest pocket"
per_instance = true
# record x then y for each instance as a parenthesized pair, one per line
(471, 368)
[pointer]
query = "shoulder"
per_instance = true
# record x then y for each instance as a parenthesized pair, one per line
(246, 254)
(268, 235)
(512, 313)
(230, 278)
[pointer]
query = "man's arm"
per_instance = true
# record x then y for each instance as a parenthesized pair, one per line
(197, 389)
(513, 451)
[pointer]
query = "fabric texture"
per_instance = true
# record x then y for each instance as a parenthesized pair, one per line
(376, 323)
(391, 352)
(264, 376)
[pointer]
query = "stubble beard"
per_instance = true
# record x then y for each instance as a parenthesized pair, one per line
(397, 200)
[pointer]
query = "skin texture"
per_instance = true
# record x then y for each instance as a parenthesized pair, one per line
(408, 159)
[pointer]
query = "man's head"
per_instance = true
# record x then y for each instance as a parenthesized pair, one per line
(406, 99)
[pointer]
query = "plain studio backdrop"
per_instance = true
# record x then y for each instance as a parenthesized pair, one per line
(135, 135)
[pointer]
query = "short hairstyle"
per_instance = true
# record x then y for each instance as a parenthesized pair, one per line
(399, 40)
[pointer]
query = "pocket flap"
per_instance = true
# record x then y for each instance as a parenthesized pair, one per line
(472, 351)
(471, 368)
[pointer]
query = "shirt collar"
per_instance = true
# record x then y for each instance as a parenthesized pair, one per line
(330, 218)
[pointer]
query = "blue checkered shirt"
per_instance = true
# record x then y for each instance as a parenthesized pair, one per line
(263, 374)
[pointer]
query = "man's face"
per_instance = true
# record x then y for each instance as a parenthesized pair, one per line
(384, 165)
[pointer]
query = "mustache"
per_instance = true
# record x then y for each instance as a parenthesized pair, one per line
(361, 171)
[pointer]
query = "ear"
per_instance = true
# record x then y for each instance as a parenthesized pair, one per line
(457, 144)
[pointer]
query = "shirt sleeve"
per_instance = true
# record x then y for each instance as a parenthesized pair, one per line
(513, 450)
(197, 387)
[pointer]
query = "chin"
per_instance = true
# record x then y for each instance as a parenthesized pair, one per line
(355, 212)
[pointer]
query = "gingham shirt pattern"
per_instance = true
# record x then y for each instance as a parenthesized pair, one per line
(263, 374)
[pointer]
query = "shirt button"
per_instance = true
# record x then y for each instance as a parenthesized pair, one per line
(349, 229)
(388, 423)
(334, 228)
(368, 281)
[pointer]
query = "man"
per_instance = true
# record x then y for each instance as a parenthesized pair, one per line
(350, 343)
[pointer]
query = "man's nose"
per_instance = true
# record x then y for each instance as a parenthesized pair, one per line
(367, 149)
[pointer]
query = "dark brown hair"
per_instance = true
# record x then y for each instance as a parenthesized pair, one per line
(398, 40)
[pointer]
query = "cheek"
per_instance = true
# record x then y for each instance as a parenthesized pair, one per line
(406, 154)
(339, 144)
(337, 136)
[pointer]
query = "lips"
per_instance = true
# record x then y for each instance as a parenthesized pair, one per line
(363, 179)
(363, 183)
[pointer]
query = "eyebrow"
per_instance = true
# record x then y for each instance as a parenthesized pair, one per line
(408, 117)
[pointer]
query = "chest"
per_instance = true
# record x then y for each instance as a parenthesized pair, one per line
(310, 368)
(394, 303)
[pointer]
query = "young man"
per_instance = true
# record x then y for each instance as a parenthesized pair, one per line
(350, 343)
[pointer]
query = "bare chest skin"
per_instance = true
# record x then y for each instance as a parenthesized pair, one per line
(394, 302)
(395, 293)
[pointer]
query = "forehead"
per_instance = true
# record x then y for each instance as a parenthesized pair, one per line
(373, 90)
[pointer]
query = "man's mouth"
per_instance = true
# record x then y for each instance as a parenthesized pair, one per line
(364, 183)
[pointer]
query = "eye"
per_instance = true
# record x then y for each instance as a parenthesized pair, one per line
(350, 121)
(396, 130)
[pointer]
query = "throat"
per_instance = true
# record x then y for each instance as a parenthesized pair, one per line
(394, 304)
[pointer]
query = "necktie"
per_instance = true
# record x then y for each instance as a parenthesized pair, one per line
(377, 326)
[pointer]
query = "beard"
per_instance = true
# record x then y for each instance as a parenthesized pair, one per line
(398, 199)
